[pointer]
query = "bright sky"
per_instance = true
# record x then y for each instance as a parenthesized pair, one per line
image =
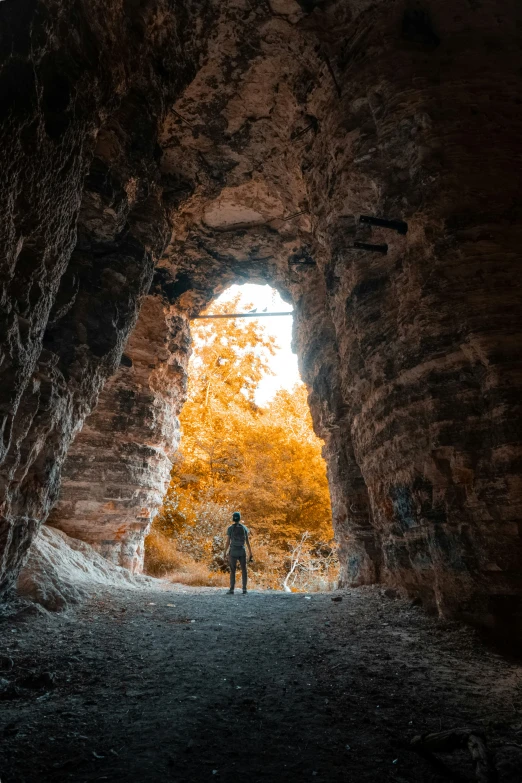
(284, 363)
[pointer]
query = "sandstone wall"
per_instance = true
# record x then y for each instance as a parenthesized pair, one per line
(254, 162)
(82, 88)
(426, 333)
(118, 467)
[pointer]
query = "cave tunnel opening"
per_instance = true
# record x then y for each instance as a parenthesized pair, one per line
(247, 443)
(250, 444)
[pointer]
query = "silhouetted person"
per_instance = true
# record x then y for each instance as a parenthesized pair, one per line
(237, 538)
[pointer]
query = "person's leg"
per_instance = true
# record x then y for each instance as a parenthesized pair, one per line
(242, 560)
(232, 560)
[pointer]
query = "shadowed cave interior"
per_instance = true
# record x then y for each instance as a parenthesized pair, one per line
(361, 158)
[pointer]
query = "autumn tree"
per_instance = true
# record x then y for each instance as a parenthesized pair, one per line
(228, 361)
(281, 483)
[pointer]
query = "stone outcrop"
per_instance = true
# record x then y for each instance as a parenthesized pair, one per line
(62, 571)
(83, 87)
(253, 160)
(118, 467)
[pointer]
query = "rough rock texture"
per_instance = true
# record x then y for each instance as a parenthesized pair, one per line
(299, 118)
(427, 333)
(118, 468)
(62, 571)
(82, 87)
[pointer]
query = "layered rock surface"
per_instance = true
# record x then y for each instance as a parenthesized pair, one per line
(299, 118)
(118, 467)
(83, 86)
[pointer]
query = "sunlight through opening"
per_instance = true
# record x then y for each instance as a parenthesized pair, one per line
(247, 446)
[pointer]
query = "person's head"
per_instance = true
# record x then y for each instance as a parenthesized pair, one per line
(236, 516)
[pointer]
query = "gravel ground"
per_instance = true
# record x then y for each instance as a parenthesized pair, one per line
(195, 685)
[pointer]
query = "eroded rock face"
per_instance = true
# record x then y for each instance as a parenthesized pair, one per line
(62, 571)
(118, 467)
(300, 118)
(82, 88)
(426, 333)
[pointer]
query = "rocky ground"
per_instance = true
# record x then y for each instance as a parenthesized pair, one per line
(195, 685)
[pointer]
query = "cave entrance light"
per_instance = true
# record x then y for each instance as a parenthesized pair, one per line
(248, 445)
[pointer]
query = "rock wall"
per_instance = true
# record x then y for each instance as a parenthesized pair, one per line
(426, 333)
(62, 571)
(82, 87)
(118, 467)
(255, 162)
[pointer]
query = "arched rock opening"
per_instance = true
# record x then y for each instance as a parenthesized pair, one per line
(218, 142)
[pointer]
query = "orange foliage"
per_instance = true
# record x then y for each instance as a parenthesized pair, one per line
(265, 462)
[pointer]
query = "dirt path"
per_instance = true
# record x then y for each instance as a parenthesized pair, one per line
(201, 686)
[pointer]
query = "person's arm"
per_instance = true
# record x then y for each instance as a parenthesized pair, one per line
(227, 545)
(249, 547)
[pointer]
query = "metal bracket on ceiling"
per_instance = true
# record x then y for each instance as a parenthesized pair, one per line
(289, 217)
(243, 315)
(396, 225)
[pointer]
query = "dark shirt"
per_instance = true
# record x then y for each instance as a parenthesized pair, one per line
(237, 539)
